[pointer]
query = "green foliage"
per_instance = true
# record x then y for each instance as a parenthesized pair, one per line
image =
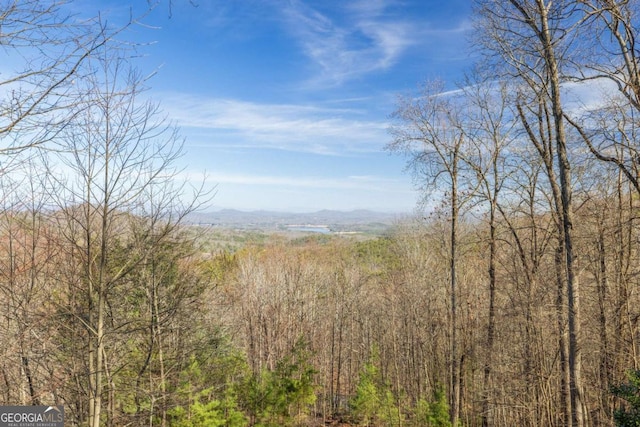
(367, 400)
(219, 267)
(222, 391)
(212, 413)
(378, 255)
(629, 414)
(276, 398)
(317, 238)
(374, 402)
(432, 414)
(206, 394)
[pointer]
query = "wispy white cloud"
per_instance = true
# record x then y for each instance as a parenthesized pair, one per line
(367, 39)
(363, 43)
(330, 131)
(583, 97)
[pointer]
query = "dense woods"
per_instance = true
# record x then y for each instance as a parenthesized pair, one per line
(284, 331)
(512, 298)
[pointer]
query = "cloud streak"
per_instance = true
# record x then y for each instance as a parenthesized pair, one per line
(343, 51)
(369, 39)
(328, 131)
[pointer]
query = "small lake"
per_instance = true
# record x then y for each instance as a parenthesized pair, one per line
(310, 229)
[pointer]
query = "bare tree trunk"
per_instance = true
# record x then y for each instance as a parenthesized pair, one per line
(426, 133)
(454, 374)
(605, 351)
(100, 326)
(157, 333)
(563, 343)
(491, 321)
(90, 321)
(573, 293)
(543, 142)
(537, 67)
(33, 398)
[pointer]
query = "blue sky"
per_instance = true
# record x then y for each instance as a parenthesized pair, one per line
(285, 104)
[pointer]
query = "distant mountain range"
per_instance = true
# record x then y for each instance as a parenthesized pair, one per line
(334, 221)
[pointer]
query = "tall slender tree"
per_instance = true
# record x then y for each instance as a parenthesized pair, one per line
(428, 131)
(489, 128)
(117, 153)
(533, 39)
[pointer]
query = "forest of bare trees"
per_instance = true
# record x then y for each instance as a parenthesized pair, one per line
(512, 300)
